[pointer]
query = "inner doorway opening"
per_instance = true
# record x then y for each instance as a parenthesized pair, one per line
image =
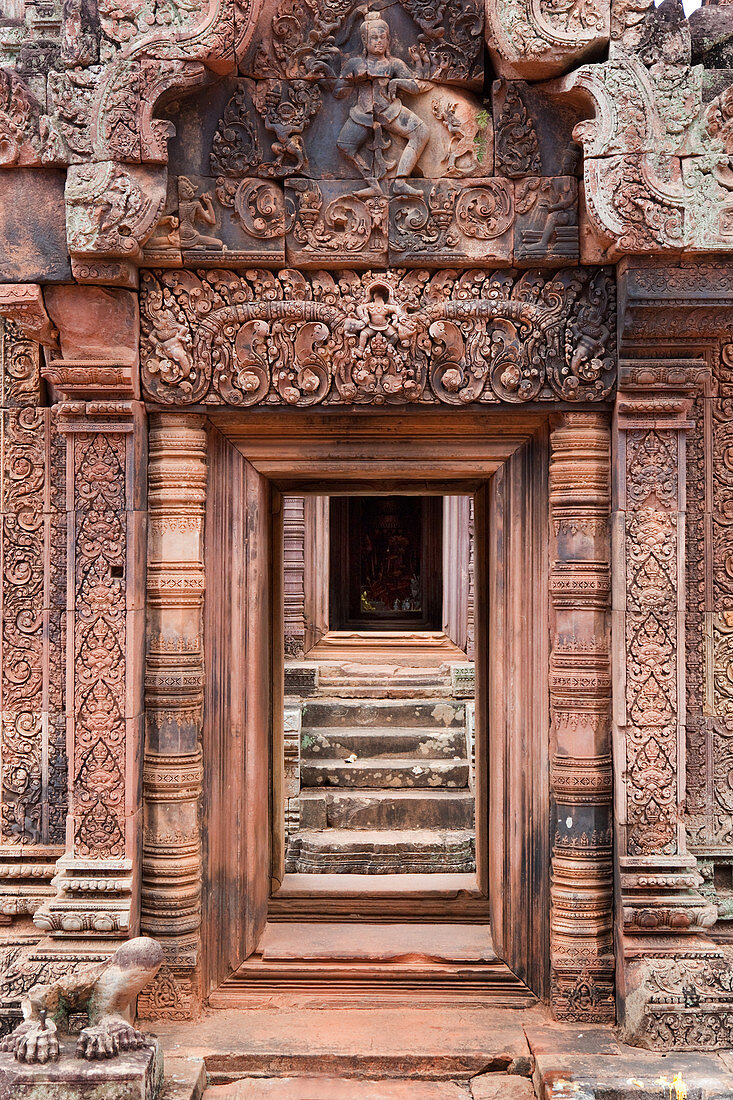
(379, 716)
(385, 563)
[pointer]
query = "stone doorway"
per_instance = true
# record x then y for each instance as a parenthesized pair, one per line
(256, 459)
(385, 563)
(379, 769)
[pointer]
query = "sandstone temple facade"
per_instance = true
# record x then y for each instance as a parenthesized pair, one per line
(258, 254)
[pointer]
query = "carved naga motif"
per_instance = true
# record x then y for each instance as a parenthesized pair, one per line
(395, 337)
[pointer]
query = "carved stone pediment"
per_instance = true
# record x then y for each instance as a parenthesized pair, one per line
(377, 338)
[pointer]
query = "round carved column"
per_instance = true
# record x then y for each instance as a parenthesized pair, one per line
(581, 922)
(174, 696)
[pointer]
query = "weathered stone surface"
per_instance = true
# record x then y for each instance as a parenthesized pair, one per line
(375, 852)
(95, 323)
(631, 1075)
(135, 1075)
(562, 1040)
(390, 942)
(334, 1088)
(495, 1086)
(32, 224)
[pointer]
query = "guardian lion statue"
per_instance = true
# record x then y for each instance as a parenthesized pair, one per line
(106, 991)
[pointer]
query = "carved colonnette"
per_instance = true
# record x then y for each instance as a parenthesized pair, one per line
(174, 698)
(581, 917)
(294, 536)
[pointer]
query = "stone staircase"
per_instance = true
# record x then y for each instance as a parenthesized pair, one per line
(384, 788)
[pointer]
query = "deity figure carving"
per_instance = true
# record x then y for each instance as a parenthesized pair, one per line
(191, 209)
(378, 78)
(377, 315)
(105, 991)
(460, 159)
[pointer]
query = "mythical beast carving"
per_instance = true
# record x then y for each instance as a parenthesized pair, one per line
(106, 991)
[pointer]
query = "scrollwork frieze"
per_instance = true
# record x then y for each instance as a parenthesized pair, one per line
(391, 338)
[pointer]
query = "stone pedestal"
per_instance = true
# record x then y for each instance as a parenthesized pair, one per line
(136, 1075)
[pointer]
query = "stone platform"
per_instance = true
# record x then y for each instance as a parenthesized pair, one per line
(135, 1075)
(450, 1052)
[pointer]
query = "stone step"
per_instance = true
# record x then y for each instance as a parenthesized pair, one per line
(408, 773)
(381, 713)
(341, 1088)
(375, 675)
(419, 742)
(401, 809)
(393, 942)
(374, 851)
(378, 691)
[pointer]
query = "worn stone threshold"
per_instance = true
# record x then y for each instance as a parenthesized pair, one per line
(391, 961)
(428, 647)
(290, 1052)
(439, 898)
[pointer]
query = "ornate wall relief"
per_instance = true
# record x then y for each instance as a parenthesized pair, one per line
(709, 802)
(393, 338)
(33, 769)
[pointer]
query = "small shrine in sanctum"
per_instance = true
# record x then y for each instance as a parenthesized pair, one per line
(366, 375)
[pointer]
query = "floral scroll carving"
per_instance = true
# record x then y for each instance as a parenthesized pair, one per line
(709, 649)
(33, 769)
(393, 338)
(99, 645)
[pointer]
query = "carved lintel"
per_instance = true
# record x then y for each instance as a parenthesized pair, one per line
(389, 338)
(23, 303)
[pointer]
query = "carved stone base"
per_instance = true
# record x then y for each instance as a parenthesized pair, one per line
(678, 998)
(136, 1075)
(93, 897)
(660, 895)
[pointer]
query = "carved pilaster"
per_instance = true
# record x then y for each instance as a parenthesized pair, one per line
(33, 772)
(674, 977)
(174, 684)
(294, 575)
(658, 876)
(581, 921)
(95, 879)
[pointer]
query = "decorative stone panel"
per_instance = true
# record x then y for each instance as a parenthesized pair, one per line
(394, 338)
(33, 764)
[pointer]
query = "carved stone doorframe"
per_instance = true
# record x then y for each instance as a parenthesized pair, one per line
(507, 449)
